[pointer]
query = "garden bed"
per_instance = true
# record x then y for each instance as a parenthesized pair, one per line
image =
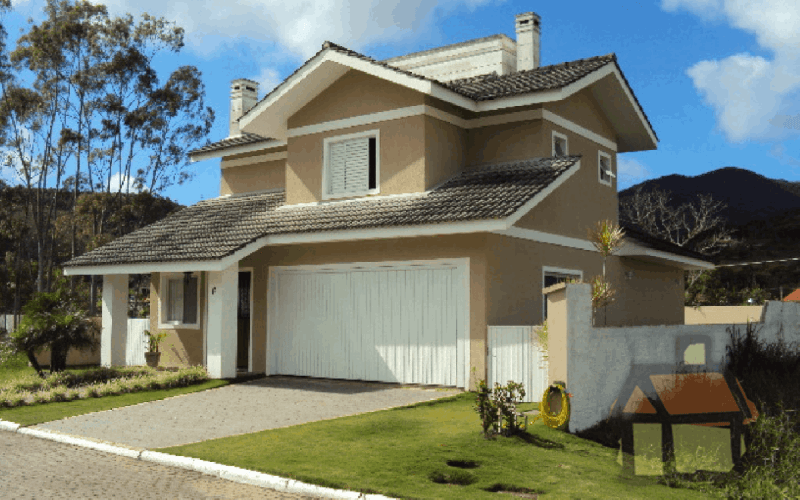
(94, 383)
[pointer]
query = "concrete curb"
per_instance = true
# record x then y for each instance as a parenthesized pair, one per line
(226, 472)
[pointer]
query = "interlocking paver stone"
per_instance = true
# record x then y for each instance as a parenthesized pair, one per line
(262, 404)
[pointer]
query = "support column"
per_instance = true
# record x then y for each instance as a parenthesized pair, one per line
(115, 320)
(221, 338)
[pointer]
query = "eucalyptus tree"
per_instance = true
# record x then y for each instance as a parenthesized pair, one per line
(85, 105)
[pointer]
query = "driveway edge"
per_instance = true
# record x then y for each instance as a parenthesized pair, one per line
(226, 472)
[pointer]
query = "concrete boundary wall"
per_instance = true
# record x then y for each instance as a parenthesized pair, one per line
(595, 362)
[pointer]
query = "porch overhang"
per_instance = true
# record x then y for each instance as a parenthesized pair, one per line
(641, 252)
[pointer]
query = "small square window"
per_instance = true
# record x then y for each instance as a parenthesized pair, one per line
(560, 145)
(604, 171)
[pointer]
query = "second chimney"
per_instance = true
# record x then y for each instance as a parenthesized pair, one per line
(528, 40)
(244, 95)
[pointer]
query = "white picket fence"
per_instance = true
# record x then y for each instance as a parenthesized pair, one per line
(515, 354)
(136, 343)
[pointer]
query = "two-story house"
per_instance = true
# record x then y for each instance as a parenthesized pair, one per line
(375, 217)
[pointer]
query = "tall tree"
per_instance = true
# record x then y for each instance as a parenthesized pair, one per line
(95, 111)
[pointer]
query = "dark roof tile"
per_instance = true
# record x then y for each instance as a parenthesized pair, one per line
(213, 229)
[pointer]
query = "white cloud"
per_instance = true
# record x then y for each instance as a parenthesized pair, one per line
(747, 91)
(120, 182)
(267, 80)
(299, 26)
(630, 172)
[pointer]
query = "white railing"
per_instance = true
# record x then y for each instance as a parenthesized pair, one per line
(515, 354)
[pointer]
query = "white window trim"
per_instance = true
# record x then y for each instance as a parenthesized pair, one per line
(162, 303)
(326, 158)
(557, 135)
(556, 270)
(601, 154)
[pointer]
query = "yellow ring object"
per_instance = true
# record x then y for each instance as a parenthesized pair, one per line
(555, 421)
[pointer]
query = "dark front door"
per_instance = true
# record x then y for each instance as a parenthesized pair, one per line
(243, 318)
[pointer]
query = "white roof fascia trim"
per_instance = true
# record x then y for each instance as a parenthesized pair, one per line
(385, 233)
(236, 150)
(283, 88)
(281, 155)
(542, 237)
(144, 268)
(541, 195)
(577, 129)
(631, 249)
(635, 104)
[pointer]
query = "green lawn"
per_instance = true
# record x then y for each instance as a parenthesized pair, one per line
(396, 452)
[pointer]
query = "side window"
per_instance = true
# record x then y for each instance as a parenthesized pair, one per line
(179, 302)
(560, 144)
(604, 169)
(351, 165)
(553, 276)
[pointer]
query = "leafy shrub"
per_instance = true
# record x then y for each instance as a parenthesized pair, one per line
(498, 409)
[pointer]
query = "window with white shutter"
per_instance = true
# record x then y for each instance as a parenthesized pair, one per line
(604, 172)
(351, 165)
(180, 297)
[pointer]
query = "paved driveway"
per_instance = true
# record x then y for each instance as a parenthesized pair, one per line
(262, 404)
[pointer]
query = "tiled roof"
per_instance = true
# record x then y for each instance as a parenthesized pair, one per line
(493, 86)
(240, 140)
(214, 229)
(659, 244)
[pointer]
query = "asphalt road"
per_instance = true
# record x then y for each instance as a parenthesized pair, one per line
(38, 468)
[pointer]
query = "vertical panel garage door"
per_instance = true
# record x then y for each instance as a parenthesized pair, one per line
(393, 322)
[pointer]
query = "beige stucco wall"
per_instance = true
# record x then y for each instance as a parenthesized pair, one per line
(354, 94)
(182, 346)
(581, 200)
(401, 156)
(582, 108)
(259, 176)
(445, 147)
(722, 315)
(506, 142)
(652, 296)
(400, 249)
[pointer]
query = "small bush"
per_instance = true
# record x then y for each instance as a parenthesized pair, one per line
(73, 394)
(41, 397)
(498, 409)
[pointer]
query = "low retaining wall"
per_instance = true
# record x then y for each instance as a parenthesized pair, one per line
(595, 362)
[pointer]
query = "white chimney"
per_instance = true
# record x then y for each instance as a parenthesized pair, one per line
(528, 40)
(244, 95)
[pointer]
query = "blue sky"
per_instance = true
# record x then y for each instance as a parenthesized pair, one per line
(718, 79)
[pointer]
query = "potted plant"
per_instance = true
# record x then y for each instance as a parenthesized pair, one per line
(152, 356)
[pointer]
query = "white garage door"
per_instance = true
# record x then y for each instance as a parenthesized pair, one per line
(393, 322)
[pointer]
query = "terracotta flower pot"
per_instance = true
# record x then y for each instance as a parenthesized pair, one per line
(152, 358)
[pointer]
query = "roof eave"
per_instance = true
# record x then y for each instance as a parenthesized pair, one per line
(236, 150)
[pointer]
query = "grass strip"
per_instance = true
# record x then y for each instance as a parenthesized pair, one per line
(404, 452)
(40, 413)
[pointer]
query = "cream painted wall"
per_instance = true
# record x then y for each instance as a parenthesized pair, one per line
(582, 108)
(354, 94)
(581, 200)
(259, 176)
(457, 246)
(445, 146)
(514, 284)
(401, 151)
(183, 346)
